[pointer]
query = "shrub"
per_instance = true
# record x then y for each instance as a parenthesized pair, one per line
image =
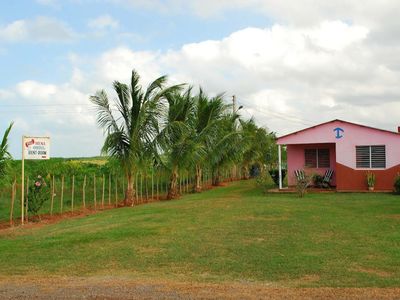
(38, 194)
(397, 184)
(275, 175)
(302, 185)
(264, 181)
(318, 180)
(370, 179)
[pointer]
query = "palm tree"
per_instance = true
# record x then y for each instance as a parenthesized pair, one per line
(208, 115)
(131, 128)
(5, 156)
(179, 149)
(256, 142)
(225, 148)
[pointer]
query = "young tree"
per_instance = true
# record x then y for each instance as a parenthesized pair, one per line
(256, 143)
(179, 149)
(5, 156)
(131, 129)
(208, 116)
(225, 148)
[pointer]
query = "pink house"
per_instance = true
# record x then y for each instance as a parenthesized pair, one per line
(349, 149)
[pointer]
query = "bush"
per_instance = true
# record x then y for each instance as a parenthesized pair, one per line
(318, 180)
(275, 175)
(397, 184)
(38, 194)
(302, 185)
(264, 181)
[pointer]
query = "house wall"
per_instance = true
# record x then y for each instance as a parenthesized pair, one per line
(296, 161)
(348, 177)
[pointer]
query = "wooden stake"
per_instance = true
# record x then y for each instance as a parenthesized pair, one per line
(180, 184)
(116, 192)
(83, 192)
(62, 194)
(13, 192)
(157, 187)
(52, 197)
(73, 193)
(152, 185)
(26, 199)
(187, 183)
(141, 188)
(146, 187)
(102, 193)
(136, 189)
(109, 189)
(94, 192)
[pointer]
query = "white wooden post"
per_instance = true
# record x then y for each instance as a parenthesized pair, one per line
(280, 166)
(22, 182)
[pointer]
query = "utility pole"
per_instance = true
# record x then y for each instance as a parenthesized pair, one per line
(234, 104)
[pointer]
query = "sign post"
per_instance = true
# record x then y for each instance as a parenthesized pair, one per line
(32, 148)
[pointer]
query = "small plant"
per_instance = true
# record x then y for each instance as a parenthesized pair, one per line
(397, 184)
(371, 180)
(318, 180)
(302, 185)
(38, 194)
(264, 181)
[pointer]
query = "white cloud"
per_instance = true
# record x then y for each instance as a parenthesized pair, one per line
(288, 76)
(34, 90)
(40, 29)
(103, 22)
(5, 94)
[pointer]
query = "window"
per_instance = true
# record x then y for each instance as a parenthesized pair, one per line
(317, 158)
(371, 157)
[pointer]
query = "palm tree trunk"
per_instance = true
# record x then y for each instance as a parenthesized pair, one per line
(197, 180)
(173, 185)
(216, 180)
(130, 191)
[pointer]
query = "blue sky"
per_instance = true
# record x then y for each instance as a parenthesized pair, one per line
(291, 64)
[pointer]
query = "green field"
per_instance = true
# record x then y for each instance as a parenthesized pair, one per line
(232, 233)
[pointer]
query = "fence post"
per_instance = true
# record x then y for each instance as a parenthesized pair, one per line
(62, 193)
(52, 196)
(13, 192)
(102, 193)
(27, 199)
(152, 185)
(84, 192)
(73, 193)
(94, 192)
(134, 202)
(141, 187)
(116, 191)
(157, 186)
(109, 189)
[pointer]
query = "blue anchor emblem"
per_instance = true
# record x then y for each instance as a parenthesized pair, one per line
(339, 132)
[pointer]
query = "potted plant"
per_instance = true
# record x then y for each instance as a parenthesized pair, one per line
(371, 180)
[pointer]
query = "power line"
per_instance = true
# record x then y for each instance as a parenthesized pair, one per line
(39, 105)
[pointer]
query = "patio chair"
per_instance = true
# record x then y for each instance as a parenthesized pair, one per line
(327, 178)
(300, 175)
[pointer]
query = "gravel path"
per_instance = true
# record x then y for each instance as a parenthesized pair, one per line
(111, 288)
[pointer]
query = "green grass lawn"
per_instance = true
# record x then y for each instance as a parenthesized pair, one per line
(233, 233)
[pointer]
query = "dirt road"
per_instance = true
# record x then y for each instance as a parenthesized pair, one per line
(123, 288)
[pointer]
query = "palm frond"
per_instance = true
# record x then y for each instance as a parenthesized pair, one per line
(105, 118)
